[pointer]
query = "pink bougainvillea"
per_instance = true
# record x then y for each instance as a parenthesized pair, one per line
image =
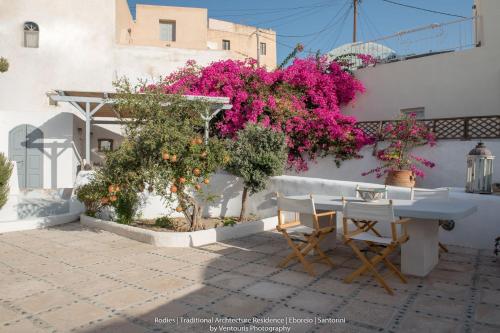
(302, 100)
(404, 135)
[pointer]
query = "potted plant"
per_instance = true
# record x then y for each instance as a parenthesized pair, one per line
(398, 164)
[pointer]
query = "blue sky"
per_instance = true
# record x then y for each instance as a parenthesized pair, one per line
(328, 23)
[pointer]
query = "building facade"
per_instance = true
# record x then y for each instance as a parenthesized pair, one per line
(86, 46)
(191, 28)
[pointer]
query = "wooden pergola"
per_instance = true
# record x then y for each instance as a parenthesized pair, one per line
(101, 104)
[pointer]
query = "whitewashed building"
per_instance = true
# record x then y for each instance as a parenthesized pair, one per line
(74, 45)
(449, 70)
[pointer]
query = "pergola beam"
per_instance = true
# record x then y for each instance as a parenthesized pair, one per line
(218, 103)
(60, 96)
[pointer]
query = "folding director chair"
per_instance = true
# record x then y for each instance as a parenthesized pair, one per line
(437, 193)
(367, 225)
(300, 238)
(382, 246)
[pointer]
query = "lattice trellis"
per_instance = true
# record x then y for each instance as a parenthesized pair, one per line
(484, 127)
(448, 128)
(459, 128)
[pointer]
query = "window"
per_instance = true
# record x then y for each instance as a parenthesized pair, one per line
(167, 31)
(104, 145)
(419, 112)
(226, 44)
(263, 50)
(31, 34)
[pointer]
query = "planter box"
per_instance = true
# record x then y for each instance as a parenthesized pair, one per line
(181, 239)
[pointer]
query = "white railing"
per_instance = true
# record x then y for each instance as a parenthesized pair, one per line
(432, 39)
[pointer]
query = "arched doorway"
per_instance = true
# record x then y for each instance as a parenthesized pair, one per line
(26, 148)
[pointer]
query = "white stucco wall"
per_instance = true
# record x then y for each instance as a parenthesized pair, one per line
(477, 230)
(58, 137)
(449, 156)
(462, 83)
(77, 51)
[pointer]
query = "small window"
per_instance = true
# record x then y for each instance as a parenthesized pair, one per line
(419, 112)
(226, 44)
(31, 34)
(104, 145)
(263, 48)
(167, 31)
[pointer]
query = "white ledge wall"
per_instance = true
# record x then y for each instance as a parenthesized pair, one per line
(181, 239)
(478, 230)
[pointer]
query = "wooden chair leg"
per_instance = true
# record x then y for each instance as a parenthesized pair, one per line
(308, 267)
(367, 226)
(385, 253)
(368, 265)
(290, 257)
(298, 251)
(395, 270)
(323, 256)
(443, 247)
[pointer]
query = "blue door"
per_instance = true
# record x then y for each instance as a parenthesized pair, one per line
(26, 148)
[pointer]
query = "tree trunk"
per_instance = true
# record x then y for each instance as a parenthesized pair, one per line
(244, 198)
(194, 216)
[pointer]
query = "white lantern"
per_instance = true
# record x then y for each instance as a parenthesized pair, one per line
(479, 170)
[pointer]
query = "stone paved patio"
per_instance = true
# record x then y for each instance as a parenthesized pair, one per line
(72, 279)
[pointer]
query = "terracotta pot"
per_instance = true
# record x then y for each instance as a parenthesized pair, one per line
(403, 178)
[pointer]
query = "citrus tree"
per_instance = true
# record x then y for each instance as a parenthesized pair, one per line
(163, 151)
(257, 153)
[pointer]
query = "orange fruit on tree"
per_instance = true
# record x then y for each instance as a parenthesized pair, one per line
(173, 158)
(113, 198)
(193, 142)
(182, 180)
(104, 201)
(173, 188)
(199, 141)
(206, 181)
(117, 188)
(165, 156)
(197, 187)
(196, 172)
(204, 154)
(111, 188)
(179, 209)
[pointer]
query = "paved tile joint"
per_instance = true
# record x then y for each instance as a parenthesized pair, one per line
(73, 279)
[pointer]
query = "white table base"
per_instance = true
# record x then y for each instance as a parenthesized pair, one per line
(420, 254)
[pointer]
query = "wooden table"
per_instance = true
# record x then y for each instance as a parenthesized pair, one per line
(420, 254)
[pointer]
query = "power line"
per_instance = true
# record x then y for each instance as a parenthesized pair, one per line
(276, 8)
(422, 9)
(369, 22)
(326, 27)
(341, 15)
(342, 25)
(304, 13)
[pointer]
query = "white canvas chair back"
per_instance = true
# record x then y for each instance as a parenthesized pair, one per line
(437, 193)
(304, 206)
(369, 211)
(358, 187)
